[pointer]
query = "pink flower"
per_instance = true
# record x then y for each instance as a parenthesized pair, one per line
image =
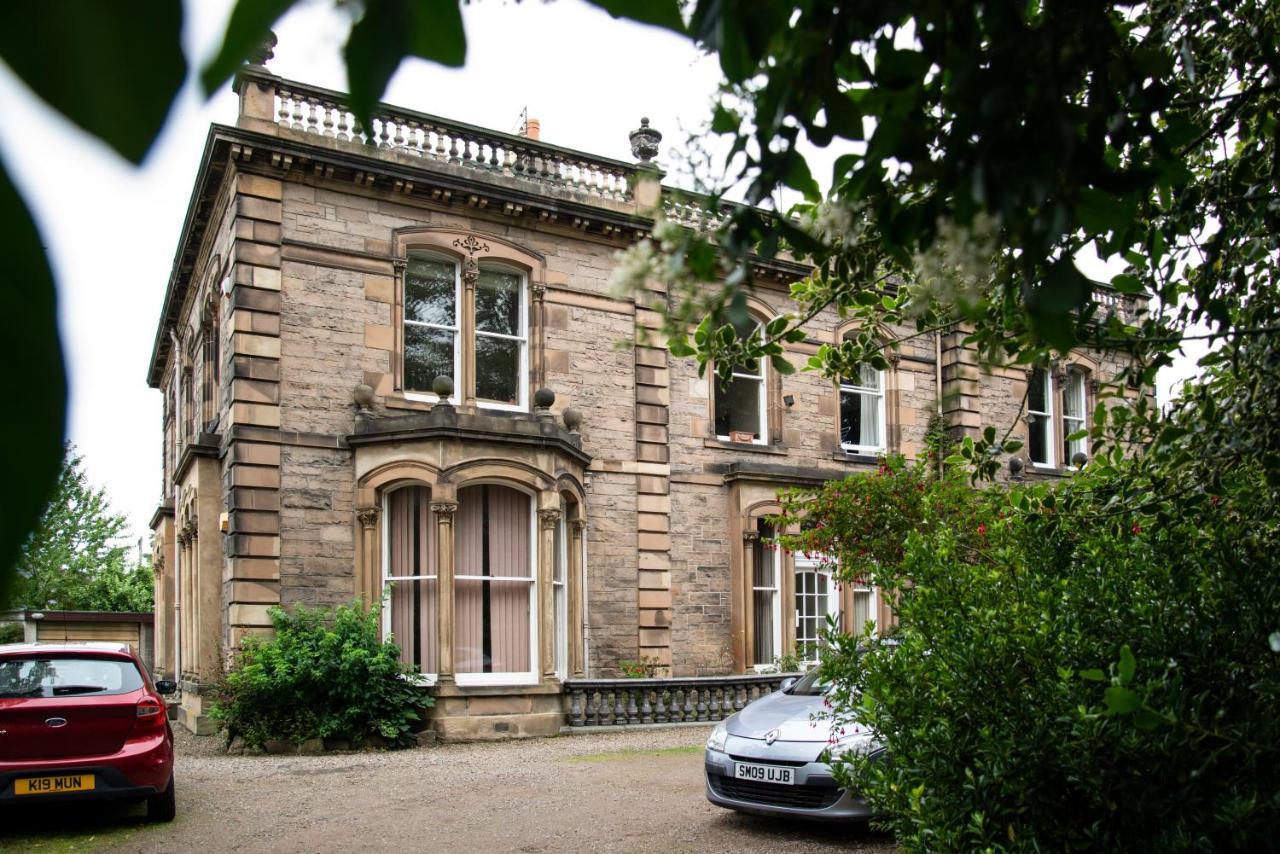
(982, 529)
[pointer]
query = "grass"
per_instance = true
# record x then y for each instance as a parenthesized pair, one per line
(57, 829)
(637, 753)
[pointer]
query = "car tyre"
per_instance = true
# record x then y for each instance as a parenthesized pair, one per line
(164, 806)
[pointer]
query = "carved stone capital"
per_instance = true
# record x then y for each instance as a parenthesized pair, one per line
(549, 517)
(398, 265)
(750, 536)
(368, 516)
(470, 272)
(539, 291)
(444, 508)
(577, 526)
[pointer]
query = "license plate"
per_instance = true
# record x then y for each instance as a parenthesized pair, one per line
(764, 773)
(53, 785)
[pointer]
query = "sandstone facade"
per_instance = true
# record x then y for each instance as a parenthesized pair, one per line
(281, 353)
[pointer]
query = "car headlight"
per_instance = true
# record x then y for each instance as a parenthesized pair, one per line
(718, 737)
(850, 744)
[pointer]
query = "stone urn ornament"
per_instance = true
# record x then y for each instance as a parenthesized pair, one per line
(644, 142)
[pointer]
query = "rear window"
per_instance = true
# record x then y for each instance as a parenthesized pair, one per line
(52, 676)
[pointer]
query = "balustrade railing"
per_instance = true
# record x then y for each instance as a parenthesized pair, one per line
(323, 112)
(624, 702)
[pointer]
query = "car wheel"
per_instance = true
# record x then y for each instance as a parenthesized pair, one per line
(162, 807)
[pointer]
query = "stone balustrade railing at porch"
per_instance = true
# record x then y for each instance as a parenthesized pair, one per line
(324, 113)
(628, 702)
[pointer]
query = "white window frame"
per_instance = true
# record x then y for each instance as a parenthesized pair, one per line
(529, 677)
(1070, 423)
(428, 395)
(560, 597)
(421, 678)
(522, 380)
(774, 555)
(762, 399)
(873, 605)
(881, 426)
(821, 566)
(1047, 415)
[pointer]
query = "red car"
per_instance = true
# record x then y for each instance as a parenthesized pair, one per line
(83, 720)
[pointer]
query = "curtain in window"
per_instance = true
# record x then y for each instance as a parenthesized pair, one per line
(499, 335)
(411, 576)
(764, 586)
(493, 582)
(861, 402)
(1039, 430)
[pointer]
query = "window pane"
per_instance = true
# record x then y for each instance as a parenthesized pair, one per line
(1035, 396)
(430, 289)
(765, 557)
(860, 419)
(497, 369)
(868, 377)
(412, 601)
(1073, 403)
(498, 302)
(428, 353)
(763, 611)
(491, 631)
(737, 406)
(1038, 444)
(413, 621)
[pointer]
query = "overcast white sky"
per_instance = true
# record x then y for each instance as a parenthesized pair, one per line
(112, 230)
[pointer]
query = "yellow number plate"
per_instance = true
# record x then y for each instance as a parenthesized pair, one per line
(53, 785)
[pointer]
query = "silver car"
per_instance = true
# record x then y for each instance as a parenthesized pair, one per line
(770, 757)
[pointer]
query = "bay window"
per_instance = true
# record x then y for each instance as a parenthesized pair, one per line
(494, 632)
(816, 599)
(410, 581)
(500, 356)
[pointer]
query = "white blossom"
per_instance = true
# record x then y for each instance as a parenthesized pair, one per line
(636, 265)
(836, 223)
(956, 269)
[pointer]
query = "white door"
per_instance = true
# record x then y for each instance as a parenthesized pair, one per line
(816, 599)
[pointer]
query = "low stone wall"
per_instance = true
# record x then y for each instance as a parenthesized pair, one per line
(629, 702)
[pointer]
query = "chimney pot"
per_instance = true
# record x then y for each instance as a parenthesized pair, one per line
(533, 129)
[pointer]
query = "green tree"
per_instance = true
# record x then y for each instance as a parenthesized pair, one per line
(76, 559)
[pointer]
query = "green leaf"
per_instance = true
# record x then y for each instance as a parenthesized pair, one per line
(29, 334)
(1120, 701)
(800, 179)
(389, 31)
(679, 346)
(1126, 666)
(1097, 211)
(111, 68)
(782, 364)
(724, 120)
(1093, 675)
(1012, 446)
(659, 13)
(247, 29)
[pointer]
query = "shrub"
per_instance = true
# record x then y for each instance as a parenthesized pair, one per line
(1087, 666)
(323, 674)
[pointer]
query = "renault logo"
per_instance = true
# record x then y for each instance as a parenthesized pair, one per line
(770, 737)
(55, 722)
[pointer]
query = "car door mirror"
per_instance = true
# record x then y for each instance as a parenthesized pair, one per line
(166, 686)
(787, 683)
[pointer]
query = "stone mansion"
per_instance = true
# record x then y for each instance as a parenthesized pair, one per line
(393, 370)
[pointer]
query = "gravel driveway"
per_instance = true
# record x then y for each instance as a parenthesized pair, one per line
(624, 791)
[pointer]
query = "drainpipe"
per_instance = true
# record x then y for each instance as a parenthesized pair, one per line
(177, 552)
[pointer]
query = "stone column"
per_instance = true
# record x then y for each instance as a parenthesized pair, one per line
(444, 511)
(548, 519)
(466, 387)
(537, 336)
(576, 582)
(368, 589)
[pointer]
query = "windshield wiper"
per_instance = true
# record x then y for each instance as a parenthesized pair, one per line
(62, 690)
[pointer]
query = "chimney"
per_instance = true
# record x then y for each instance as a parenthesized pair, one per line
(532, 129)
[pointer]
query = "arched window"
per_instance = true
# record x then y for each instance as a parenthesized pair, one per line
(741, 404)
(494, 632)
(410, 583)
(766, 598)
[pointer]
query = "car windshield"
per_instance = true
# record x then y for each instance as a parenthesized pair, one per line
(51, 676)
(810, 685)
